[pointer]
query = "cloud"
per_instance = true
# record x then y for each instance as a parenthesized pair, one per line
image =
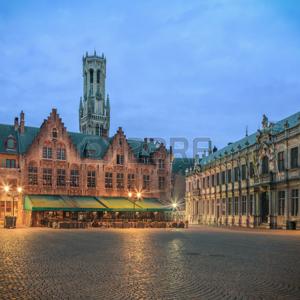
(196, 68)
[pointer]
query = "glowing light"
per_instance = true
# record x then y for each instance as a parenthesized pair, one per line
(139, 195)
(129, 194)
(174, 205)
(20, 189)
(6, 188)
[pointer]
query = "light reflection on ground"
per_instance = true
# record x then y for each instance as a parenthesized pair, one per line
(198, 263)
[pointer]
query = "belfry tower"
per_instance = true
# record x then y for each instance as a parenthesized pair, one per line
(94, 106)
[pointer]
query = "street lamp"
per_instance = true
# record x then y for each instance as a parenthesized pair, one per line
(13, 195)
(134, 199)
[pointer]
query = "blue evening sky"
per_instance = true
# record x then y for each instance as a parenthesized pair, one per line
(174, 68)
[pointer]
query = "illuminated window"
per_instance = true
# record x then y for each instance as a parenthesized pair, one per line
(108, 180)
(47, 177)
(91, 179)
(32, 175)
(74, 178)
(61, 177)
(120, 181)
(130, 181)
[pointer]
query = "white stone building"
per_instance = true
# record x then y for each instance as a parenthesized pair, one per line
(252, 182)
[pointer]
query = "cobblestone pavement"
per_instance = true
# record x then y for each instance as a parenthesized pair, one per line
(198, 263)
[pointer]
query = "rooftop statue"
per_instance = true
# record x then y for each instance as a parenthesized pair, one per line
(265, 121)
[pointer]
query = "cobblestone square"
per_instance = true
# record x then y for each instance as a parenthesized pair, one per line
(198, 263)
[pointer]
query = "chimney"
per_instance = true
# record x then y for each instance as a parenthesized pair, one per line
(16, 124)
(22, 123)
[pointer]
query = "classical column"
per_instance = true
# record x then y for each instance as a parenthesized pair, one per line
(271, 208)
(286, 207)
(256, 208)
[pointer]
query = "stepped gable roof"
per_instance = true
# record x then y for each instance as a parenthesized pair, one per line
(82, 142)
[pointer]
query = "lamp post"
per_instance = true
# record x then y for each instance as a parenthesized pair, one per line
(174, 209)
(134, 199)
(13, 194)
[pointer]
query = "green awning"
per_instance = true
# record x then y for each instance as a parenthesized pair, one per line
(153, 204)
(89, 203)
(62, 203)
(119, 204)
(84, 203)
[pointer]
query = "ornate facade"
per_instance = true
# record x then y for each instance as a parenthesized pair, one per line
(252, 182)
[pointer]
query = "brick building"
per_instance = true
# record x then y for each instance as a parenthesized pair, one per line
(64, 172)
(52, 161)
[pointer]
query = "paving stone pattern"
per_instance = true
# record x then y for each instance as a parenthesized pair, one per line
(198, 263)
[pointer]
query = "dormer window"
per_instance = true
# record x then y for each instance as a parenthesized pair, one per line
(10, 143)
(54, 133)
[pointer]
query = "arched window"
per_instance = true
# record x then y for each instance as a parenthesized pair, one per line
(98, 76)
(265, 165)
(91, 75)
